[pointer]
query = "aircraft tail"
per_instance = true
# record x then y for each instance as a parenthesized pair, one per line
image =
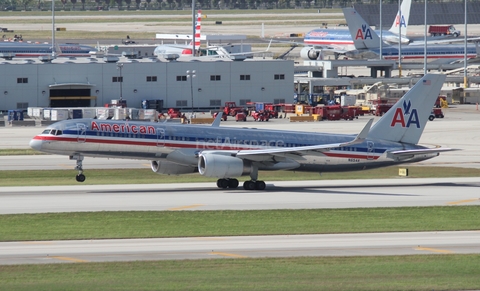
(402, 20)
(406, 120)
(363, 36)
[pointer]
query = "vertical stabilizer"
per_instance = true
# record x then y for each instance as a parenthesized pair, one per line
(406, 120)
(363, 36)
(402, 20)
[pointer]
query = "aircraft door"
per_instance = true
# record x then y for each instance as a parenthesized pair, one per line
(82, 132)
(160, 137)
(370, 150)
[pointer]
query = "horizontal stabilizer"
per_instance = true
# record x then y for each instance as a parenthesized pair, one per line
(405, 153)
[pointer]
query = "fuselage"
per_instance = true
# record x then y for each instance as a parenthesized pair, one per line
(21, 49)
(182, 144)
(417, 52)
(342, 38)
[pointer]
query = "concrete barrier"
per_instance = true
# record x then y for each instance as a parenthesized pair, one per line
(206, 120)
(307, 118)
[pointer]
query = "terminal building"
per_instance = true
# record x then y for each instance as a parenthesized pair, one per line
(185, 83)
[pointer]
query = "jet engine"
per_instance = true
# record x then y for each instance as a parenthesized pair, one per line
(310, 53)
(169, 168)
(222, 166)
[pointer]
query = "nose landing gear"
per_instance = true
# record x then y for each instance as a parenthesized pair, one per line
(80, 176)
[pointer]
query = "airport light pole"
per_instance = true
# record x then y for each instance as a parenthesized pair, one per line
(120, 67)
(191, 75)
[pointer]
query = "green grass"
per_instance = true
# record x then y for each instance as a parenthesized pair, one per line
(419, 272)
(145, 224)
(146, 176)
(19, 152)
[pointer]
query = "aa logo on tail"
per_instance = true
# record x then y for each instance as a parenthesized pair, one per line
(405, 116)
(364, 33)
(401, 23)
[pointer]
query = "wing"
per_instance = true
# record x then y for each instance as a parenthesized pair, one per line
(270, 154)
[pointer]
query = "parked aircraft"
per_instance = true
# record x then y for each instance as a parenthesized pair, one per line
(227, 153)
(24, 50)
(340, 40)
(367, 44)
(166, 49)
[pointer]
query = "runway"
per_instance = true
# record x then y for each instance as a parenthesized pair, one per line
(206, 196)
(370, 244)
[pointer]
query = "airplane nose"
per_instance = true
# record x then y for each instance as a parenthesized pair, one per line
(36, 144)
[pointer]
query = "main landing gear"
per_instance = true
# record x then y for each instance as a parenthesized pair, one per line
(252, 184)
(247, 185)
(80, 176)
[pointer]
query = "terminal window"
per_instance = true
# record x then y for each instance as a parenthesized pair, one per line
(151, 78)
(215, 102)
(279, 77)
(181, 103)
(117, 79)
(244, 101)
(244, 77)
(215, 77)
(181, 78)
(22, 80)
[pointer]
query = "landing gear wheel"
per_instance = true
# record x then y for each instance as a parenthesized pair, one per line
(232, 183)
(249, 185)
(260, 185)
(80, 178)
(222, 183)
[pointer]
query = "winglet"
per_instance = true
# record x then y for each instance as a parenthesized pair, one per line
(218, 119)
(363, 134)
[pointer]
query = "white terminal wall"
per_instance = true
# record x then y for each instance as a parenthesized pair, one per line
(99, 75)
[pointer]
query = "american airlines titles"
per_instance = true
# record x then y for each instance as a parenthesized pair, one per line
(123, 128)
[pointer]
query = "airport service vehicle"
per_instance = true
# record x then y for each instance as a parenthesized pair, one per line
(229, 152)
(232, 109)
(437, 30)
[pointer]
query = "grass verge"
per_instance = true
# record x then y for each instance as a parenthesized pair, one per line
(146, 176)
(145, 224)
(419, 272)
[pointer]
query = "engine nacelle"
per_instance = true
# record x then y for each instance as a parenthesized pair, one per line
(169, 168)
(222, 166)
(310, 53)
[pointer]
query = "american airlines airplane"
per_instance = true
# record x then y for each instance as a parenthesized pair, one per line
(227, 153)
(24, 50)
(367, 44)
(340, 40)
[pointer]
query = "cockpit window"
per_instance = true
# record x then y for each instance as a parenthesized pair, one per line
(52, 131)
